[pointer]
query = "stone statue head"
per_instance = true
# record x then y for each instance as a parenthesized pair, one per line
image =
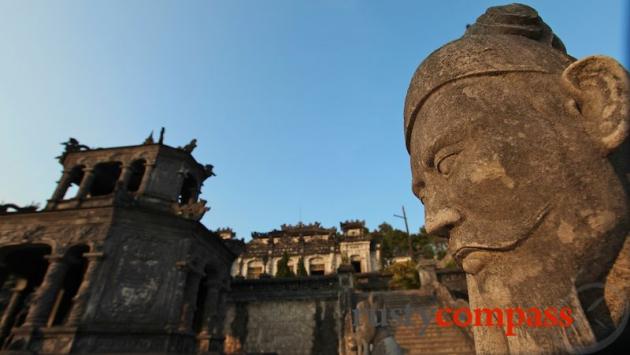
(519, 153)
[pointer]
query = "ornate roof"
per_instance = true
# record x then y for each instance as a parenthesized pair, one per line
(299, 229)
(352, 224)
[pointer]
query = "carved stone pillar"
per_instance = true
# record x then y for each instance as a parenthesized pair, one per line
(62, 185)
(6, 321)
(86, 183)
(148, 169)
(217, 338)
(4, 272)
(426, 273)
(125, 176)
(181, 176)
(44, 296)
(210, 305)
(195, 195)
(79, 302)
(210, 308)
(332, 265)
(189, 302)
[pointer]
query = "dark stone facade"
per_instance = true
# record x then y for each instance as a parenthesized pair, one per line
(122, 266)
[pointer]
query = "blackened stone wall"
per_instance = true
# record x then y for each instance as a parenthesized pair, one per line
(284, 316)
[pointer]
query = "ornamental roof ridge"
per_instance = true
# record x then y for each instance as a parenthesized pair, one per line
(301, 229)
(352, 223)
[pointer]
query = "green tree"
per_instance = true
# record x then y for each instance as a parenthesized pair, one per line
(394, 242)
(283, 267)
(404, 276)
(301, 269)
(428, 251)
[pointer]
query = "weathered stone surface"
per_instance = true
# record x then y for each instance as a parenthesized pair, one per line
(114, 268)
(284, 316)
(519, 153)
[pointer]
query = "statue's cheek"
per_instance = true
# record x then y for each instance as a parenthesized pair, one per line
(482, 185)
(490, 172)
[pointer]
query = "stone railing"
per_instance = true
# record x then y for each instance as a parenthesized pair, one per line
(372, 281)
(312, 287)
(453, 279)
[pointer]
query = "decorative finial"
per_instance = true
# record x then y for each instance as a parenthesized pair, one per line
(188, 148)
(209, 170)
(72, 145)
(149, 139)
(161, 141)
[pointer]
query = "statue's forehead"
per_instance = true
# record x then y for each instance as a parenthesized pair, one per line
(452, 104)
(460, 106)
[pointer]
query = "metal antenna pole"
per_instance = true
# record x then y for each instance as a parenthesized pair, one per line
(404, 217)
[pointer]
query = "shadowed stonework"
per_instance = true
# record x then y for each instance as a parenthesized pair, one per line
(519, 153)
(121, 264)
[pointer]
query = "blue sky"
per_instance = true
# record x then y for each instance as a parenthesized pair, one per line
(298, 104)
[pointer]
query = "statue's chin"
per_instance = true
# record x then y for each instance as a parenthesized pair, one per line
(475, 261)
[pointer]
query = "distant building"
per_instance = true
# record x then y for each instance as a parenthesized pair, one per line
(322, 249)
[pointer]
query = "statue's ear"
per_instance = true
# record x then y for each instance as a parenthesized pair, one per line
(600, 88)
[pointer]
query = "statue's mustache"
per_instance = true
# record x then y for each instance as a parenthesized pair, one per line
(534, 222)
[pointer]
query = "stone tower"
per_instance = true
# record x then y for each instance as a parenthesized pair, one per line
(117, 261)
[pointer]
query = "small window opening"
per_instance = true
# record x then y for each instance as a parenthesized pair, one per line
(76, 176)
(188, 193)
(137, 172)
(105, 177)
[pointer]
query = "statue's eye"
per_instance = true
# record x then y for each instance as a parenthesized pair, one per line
(445, 163)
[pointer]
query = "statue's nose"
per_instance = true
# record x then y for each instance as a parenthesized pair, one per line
(442, 221)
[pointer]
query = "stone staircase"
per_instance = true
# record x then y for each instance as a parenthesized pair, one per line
(434, 339)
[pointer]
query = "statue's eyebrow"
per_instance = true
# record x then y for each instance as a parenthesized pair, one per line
(449, 137)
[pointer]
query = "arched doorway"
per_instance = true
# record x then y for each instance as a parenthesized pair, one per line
(316, 266)
(22, 270)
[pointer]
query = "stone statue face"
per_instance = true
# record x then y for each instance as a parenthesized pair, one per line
(520, 154)
(493, 157)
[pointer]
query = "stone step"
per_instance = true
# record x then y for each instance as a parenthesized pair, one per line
(457, 351)
(440, 351)
(428, 335)
(429, 332)
(431, 341)
(434, 339)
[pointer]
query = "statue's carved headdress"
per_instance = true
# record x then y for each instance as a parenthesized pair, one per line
(510, 38)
